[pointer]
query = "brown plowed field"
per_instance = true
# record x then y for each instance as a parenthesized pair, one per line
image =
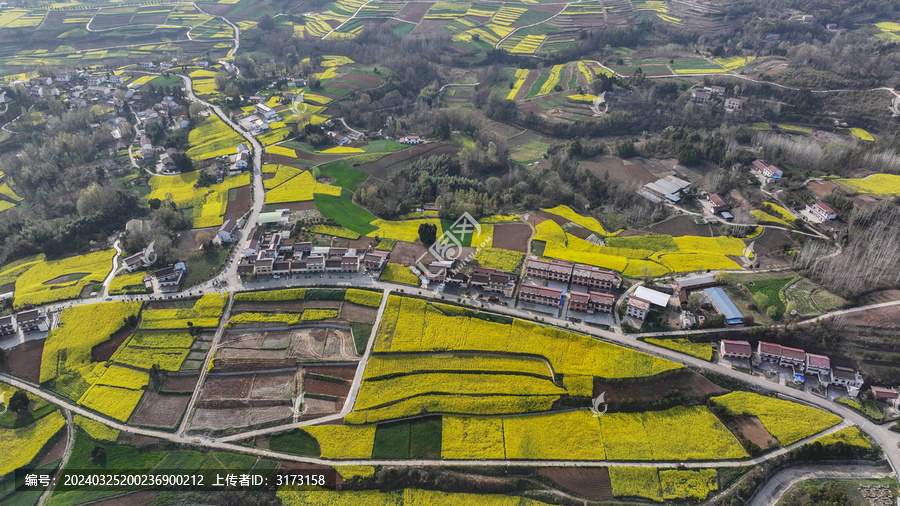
(681, 226)
(226, 387)
(341, 371)
(550, 216)
(512, 236)
(406, 253)
(414, 11)
(752, 429)
(237, 207)
(156, 410)
(590, 482)
(357, 313)
(526, 86)
(104, 351)
(24, 361)
(180, 383)
(359, 79)
(688, 382)
(56, 450)
(317, 386)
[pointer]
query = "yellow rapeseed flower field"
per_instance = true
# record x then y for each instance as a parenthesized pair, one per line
(96, 430)
(117, 403)
(789, 422)
(876, 184)
(54, 280)
(21, 445)
(344, 441)
(67, 349)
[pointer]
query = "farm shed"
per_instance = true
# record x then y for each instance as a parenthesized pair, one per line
(723, 305)
(655, 298)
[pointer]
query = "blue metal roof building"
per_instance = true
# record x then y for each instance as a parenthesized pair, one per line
(723, 305)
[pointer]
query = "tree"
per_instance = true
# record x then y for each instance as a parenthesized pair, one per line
(266, 23)
(154, 203)
(18, 403)
(98, 454)
(428, 233)
(183, 163)
(695, 302)
(222, 79)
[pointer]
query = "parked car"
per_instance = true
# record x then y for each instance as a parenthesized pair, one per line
(493, 299)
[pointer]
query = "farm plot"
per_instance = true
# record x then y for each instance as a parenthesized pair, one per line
(212, 138)
(21, 445)
(884, 185)
(643, 255)
(787, 421)
(66, 357)
(168, 350)
(209, 204)
(617, 436)
(204, 312)
(55, 280)
(302, 187)
(319, 343)
(412, 325)
(395, 387)
(245, 400)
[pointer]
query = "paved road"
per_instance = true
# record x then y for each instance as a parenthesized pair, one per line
(115, 266)
(772, 491)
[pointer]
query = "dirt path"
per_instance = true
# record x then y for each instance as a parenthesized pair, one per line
(204, 371)
(70, 443)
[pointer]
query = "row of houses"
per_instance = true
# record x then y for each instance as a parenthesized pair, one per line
(578, 274)
(588, 302)
(799, 360)
(26, 321)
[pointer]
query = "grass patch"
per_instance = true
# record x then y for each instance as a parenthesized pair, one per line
(345, 212)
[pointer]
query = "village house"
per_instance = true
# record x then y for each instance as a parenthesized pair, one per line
(540, 295)
(375, 260)
(492, 280)
(733, 104)
(847, 378)
(134, 262)
(266, 113)
(735, 349)
(822, 211)
(411, 140)
(637, 308)
(170, 277)
(31, 321)
(7, 326)
(263, 267)
(228, 231)
(884, 394)
(695, 282)
(818, 364)
(549, 269)
(700, 97)
(594, 277)
(591, 302)
(717, 203)
(766, 170)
